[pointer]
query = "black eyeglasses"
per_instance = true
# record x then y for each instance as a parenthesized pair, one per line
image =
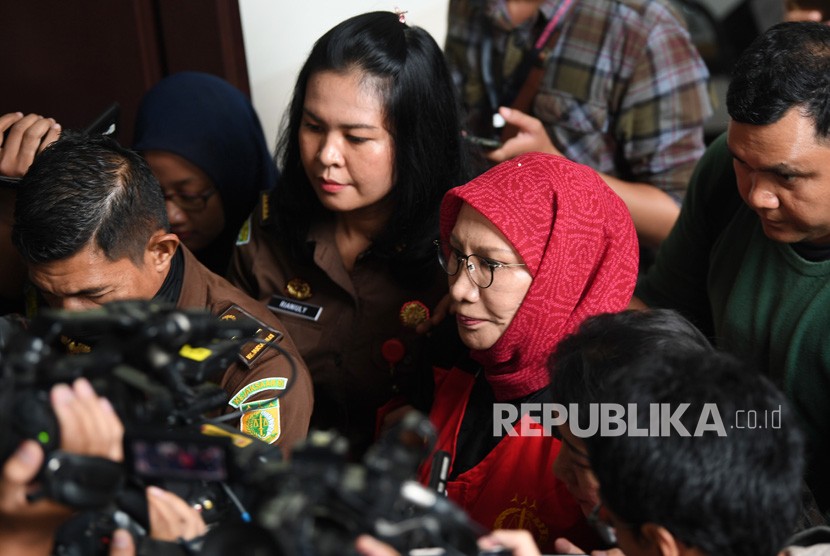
(606, 531)
(479, 269)
(190, 203)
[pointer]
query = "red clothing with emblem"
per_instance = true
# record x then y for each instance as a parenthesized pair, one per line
(514, 486)
(576, 237)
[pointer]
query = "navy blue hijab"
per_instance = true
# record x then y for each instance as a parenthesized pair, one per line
(207, 121)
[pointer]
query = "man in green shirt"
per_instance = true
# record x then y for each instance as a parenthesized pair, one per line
(749, 258)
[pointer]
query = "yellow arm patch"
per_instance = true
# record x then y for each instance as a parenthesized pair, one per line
(244, 237)
(195, 353)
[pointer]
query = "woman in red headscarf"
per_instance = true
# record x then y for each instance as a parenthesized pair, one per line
(532, 247)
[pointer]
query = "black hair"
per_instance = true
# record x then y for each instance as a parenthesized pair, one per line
(422, 115)
(85, 188)
(788, 66)
(585, 359)
(731, 494)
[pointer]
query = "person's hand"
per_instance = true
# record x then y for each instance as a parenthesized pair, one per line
(28, 135)
(518, 540)
(437, 315)
(531, 137)
(564, 546)
(171, 518)
(22, 521)
(88, 426)
(370, 546)
(122, 544)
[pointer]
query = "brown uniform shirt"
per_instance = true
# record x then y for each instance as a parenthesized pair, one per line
(267, 374)
(341, 328)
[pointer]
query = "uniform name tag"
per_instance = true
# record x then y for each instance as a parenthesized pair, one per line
(251, 351)
(289, 306)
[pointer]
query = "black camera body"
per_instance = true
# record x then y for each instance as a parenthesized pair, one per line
(160, 395)
(319, 502)
(134, 362)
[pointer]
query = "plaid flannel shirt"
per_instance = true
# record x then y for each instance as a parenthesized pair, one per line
(624, 90)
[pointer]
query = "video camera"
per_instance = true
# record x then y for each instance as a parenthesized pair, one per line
(135, 363)
(255, 502)
(318, 503)
(141, 361)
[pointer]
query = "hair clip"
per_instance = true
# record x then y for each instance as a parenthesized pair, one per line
(401, 14)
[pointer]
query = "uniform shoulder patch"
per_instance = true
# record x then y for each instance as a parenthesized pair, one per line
(262, 417)
(244, 237)
(265, 200)
(265, 335)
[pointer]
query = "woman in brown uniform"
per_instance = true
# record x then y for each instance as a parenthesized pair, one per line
(342, 248)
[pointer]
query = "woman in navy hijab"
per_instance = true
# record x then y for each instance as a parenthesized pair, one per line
(204, 143)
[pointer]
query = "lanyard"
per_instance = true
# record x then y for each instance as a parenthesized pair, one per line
(548, 30)
(532, 57)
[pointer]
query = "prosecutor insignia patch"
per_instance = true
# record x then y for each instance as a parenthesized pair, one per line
(244, 237)
(252, 350)
(262, 417)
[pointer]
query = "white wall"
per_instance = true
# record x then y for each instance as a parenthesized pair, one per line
(280, 33)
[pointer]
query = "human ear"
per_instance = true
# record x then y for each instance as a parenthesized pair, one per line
(661, 541)
(160, 250)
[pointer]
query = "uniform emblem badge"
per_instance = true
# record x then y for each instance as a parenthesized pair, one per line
(523, 516)
(75, 347)
(262, 417)
(413, 313)
(298, 288)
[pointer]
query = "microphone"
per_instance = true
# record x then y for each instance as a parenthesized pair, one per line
(440, 472)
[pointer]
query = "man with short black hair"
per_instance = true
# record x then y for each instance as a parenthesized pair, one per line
(749, 258)
(91, 224)
(729, 485)
(716, 471)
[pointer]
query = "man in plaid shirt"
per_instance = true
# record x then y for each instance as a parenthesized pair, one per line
(623, 90)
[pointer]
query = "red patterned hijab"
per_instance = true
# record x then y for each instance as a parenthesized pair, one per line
(579, 244)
